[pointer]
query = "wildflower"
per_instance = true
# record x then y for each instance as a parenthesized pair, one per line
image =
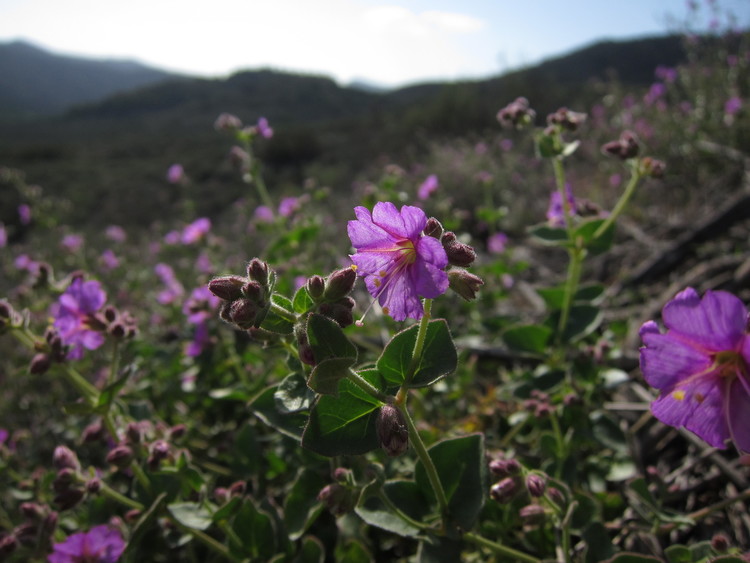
(101, 544)
(75, 320)
(262, 127)
(399, 264)
(700, 365)
(72, 243)
(173, 289)
(109, 260)
(3, 236)
(556, 210)
(393, 434)
(24, 214)
(263, 214)
(175, 174)
(516, 114)
(497, 242)
(428, 187)
(115, 233)
(733, 105)
(288, 206)
(195, 230)
(227, 122)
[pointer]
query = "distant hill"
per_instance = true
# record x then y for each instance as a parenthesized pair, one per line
(34, 81)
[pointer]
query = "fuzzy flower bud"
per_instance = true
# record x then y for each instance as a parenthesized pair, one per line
(624, 148)
(459, 254)
(464, 283)
(503, 491)
(243, 313)
(516, 114)
(337, 498)
(93, 486)
(652, 167)
(556, 497)
(340, 283)
(504, 467)
(40, 363)
(433, 228)
(227, 288)
(316, 285)
(393, 434)
(532, 514)
(67, 499)
(120, 456)
(339, 311)
(566, 119)
(65, 458)
(536, 484)
(258, 270)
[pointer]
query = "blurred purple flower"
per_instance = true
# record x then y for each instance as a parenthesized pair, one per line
(74, 316)
(496, 243)
(115, 233)
(200, 340)
(173, 289)
(109, 260)
(556, 212)
(288, 206)
(72, 243)
(484, 177)
(203, 264)
(398, 262)
(201, 305)
(24, 262)
(263, 213)
(172, 237)
(428, 187)
(175, 174)
(654, 93)
(101, 544)
(3, 435)
(506, 144)
(700, 365)
(195, 230)
(24, 214)
(3, 236)
(666, 73)
(733, 105)
(265, 131)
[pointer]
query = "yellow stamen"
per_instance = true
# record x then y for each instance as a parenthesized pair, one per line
(679, 394)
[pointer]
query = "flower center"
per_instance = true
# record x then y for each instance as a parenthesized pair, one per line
(730, 364)
(407, 254)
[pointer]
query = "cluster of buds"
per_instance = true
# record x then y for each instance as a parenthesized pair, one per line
(331, 295)
(391, 429)
(460, 256)
(246, 300)
(38, 527)
(652, 167)
(223, 495)
(142, 440)
(338, 498)
(625, 147)
(566, 119)
(52, 350)
(539, 404)
(67, 482)
(516, 114)
(118, 324)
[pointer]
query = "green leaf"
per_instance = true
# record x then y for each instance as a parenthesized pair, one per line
(109, 393)
(439, 357)
(255, 530)
(550, 236)
(406, 496)
(301, 506)
(265, 407)
(600, 244)
(583, 320)
(311, 551)
(527, 338)
(191, 514)
(462, 470)
(275, 322)
(343, 425)
(439, 550)
(328, 340)
(302, 301)
(554, 296)
(599, 545)
(353, 552)
(144, 522)
(325, 376)
(293, 394)
(678, 554)
(633, 558)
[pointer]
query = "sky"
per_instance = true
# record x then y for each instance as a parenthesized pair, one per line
(387, 43)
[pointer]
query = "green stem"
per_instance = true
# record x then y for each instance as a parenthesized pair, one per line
(416, 355)
(367, 387)
(284, 313)
(424, 457)
(401, 514)
(557, 165)
(635, 178)
(559, 442)
(206, 540)
(115, 365)
(89, 392)
(500, 549)
(575, 267)
(109, 492)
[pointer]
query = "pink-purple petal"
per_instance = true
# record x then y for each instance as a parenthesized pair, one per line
(738, 407)
(666, 360)
(717, 322)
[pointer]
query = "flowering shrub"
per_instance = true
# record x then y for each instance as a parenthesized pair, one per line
(249, 417)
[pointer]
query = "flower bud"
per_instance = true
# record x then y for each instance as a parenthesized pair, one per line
(433, 228)
(67, 499)
(337, 498)
(243, 313)
(652, 167)
(134, 433)
(504, 467)
(237, 489)
(120, 456)
(316, 285)
(65, 458)
(159, 449)
(566, 118)
(516, 114)
(177, 431)
(8, 544)
(227, 288)
(625, 147)
(340, 284)
(391, 429)
(503, 491)
(532, 514)
(227, 122)
(340, 311)
(40, 363)
(459, 254)
(341, 474)
(93, 486)
(33, 511)
(556, 497)
(258, 270)
(536, 484)
(464, 283)
(132, 516)
(720, 543)
(64, 479)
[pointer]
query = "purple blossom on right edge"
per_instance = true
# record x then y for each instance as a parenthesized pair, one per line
(101, 544)
(700, 365)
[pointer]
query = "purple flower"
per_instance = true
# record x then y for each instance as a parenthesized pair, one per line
(263, 214)
(556, 211)
(497, 242)
(288, 205)
(398, 262)
(173, 289)
(733, 105)
(74, 313)
(73, 243)
(195, 230)
(109, 260)
(24, 214)
(428, 186)
(115, 233)
(200, 341)
(3, 236)
(175, 174)
(265, 131)
(700, 365)
(101, 544)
